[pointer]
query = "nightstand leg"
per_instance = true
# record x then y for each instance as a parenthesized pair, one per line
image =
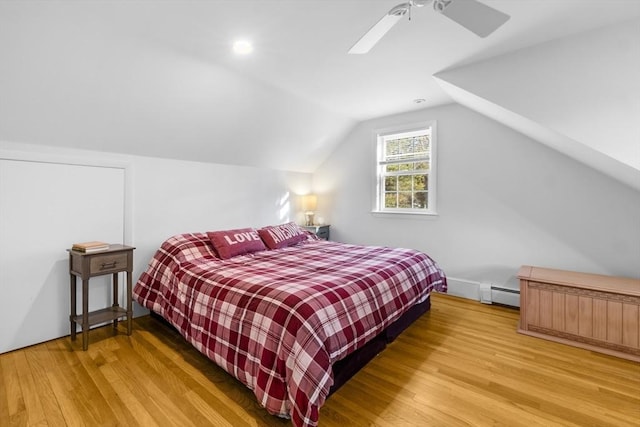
(85, 314)
(73, 307)
(129, 304)
(115, 297)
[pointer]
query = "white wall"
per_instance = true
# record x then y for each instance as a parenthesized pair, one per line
(173, 197)
(504, 200)
(585, 87)
(163, 198)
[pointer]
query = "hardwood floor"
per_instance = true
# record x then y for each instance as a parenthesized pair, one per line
(460, 364)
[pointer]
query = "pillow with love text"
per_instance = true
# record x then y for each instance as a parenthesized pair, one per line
(229, 243)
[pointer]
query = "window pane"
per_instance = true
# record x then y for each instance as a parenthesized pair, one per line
(392, 168)
(407, 148)
(413, 145)
(405, 166)
(404, 182)
(422, 166)
(390, 200)
(390, 183)
(404, 200)
(392, 148)
(422, 143)
(419, 182)
(420, 200)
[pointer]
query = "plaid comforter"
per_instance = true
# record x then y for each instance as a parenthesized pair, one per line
(278, 319)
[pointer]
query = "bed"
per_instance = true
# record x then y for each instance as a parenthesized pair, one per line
(291, 323)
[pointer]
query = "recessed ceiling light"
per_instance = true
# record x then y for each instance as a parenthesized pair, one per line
(242, 47)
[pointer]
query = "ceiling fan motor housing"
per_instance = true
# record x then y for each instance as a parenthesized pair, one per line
(403, 8)
(441, 5)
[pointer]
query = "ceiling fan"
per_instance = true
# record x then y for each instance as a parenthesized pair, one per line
(471, 14)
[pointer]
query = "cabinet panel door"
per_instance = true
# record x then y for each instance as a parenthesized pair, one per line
(585, 317)
(631, 325)
(571, 310)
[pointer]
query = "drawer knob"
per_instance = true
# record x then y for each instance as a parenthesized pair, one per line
(107, 265)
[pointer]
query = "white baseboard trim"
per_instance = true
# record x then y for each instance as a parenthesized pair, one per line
(463, 288)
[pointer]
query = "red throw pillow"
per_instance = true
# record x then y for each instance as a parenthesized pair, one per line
(280, 236)
(229, 243)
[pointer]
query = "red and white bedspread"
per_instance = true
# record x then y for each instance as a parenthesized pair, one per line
(277, 319)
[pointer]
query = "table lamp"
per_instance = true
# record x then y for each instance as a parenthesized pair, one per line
(309, 205)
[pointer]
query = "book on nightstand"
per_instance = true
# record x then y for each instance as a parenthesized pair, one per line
(89, 247)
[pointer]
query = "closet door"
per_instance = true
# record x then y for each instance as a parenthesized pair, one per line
(45, 207)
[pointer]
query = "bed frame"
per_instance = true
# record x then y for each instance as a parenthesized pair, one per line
(346, 368)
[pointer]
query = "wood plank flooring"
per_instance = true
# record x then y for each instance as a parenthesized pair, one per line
(461, 364)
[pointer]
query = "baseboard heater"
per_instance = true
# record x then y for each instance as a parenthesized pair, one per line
(486, 292)
(504, 296)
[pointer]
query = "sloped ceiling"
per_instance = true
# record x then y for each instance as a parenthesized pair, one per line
(158, 78)
(579, 95)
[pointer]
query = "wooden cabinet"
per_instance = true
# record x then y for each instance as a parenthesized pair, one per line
(322, 231)
(599, 313)
(116, 259)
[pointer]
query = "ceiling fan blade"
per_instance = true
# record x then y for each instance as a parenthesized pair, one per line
(375, 33)
(473, 15)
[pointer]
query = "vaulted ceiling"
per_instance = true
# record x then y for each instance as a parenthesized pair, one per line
(158, 78)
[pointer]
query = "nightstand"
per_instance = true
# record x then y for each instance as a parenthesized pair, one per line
(114, 260)
(322, 231)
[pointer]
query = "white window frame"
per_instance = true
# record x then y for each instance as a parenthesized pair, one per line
(408, 129)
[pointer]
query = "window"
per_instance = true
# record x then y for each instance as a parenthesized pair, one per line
(406, 170)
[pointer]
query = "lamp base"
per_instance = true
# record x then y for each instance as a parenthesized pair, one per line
(308, 219)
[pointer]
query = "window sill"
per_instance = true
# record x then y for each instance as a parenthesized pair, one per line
(405, 215)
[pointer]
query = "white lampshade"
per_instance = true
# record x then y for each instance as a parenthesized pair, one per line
(309, 202)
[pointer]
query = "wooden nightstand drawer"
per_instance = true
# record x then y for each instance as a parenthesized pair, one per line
(322, 231)
(108, 263)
